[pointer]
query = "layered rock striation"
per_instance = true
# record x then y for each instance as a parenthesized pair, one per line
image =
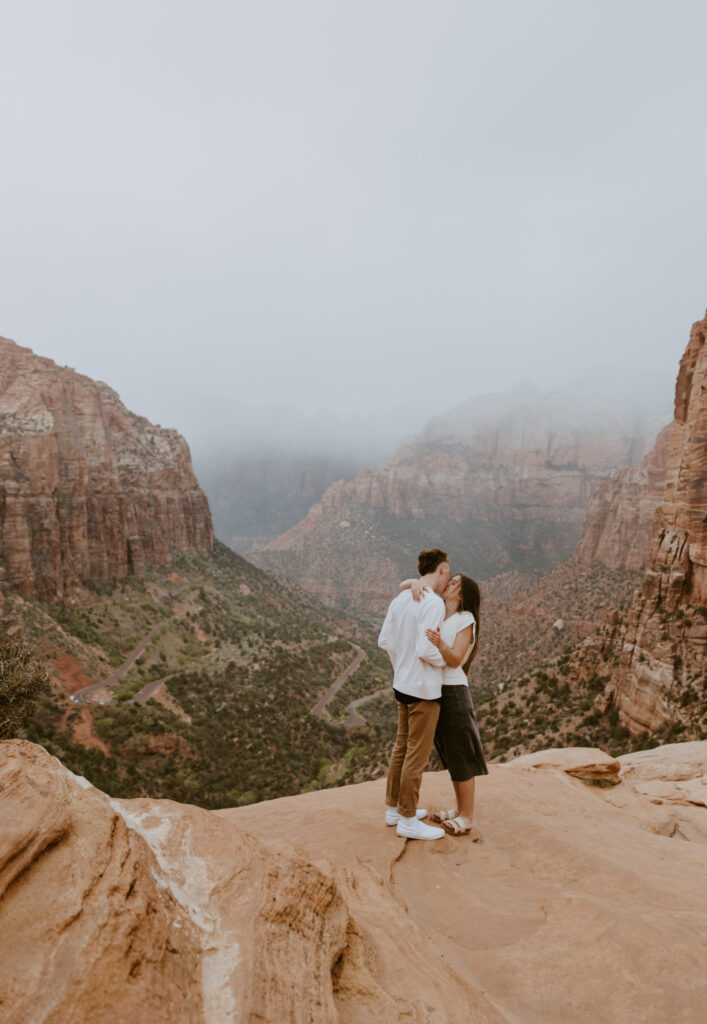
(502, 483)
(88, 490)
(618, 527)
(90, 928)
(662, 665)
(151, 910)
(309, 909)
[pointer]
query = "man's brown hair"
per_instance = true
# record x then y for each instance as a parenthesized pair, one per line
(427, 561)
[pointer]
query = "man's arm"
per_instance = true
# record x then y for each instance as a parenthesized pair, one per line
(431, 617)
(387, 639)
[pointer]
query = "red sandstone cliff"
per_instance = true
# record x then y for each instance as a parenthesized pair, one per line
(88, 490)
(663, 659)
(618, 526)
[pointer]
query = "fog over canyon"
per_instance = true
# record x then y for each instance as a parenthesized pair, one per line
(289, 293)
(185, 685)
(259, 488)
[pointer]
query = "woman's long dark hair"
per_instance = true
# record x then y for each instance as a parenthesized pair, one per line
(470, 601)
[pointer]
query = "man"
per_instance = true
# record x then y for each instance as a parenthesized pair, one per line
(417, 685)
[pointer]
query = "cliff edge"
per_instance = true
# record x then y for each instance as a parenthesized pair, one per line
(572, 903)
(662, 662)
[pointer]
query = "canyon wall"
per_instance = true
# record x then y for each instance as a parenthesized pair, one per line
(255, 498)
(618, 526)
(501, 483)
(662, 665)
(88, 490)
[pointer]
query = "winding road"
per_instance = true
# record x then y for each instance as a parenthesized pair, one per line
(320, 708)
(85, 696)
(90, 694)
(352, 720)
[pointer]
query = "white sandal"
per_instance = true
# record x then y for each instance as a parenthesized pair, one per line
(457, 826)
(444, 815)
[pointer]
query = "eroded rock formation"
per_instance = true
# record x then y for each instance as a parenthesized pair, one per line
(88, 490)
(618, 526)
(152, 910)
(90, 929)
(580, 762)
(662, 664)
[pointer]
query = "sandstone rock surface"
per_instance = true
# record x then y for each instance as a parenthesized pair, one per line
(618, 527)
(581, 762)
(309, 909)
(88, 490)
(677, 773)
(664, 654)
(89, 928)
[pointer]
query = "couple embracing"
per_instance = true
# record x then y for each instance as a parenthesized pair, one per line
(431, 634)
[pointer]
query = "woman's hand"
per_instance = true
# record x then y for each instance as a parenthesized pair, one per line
(434, 637)
(417, 590)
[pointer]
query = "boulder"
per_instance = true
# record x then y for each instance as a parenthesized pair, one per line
(580, 762)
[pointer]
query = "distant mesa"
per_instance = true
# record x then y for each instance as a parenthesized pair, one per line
(88, 490)
(502, 482)
(256, 497)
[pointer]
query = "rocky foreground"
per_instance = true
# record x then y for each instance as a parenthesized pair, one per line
(580, 899)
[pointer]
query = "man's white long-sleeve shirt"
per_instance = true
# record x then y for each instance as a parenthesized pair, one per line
(417, 663)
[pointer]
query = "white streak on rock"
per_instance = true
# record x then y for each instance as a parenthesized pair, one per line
(221, 952)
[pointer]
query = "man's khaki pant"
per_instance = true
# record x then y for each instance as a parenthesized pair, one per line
(416, 730)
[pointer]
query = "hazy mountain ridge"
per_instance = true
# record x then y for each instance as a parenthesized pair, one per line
(565, 658)
(254, 498)
(641, 677)
(245, 668)
(502, 484)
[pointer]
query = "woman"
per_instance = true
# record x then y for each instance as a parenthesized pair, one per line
(457, 736)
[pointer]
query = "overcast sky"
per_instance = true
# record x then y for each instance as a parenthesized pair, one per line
(279, 209)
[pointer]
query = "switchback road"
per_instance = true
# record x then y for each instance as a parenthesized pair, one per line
(85, 696)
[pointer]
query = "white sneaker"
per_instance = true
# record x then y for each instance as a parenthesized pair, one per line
(392, 817)
(413, 828)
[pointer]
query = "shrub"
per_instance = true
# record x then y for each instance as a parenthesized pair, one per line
(23, 678)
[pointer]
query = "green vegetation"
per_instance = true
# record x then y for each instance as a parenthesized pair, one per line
(23, 680)
(247, 657)
(564, 703)
(246, 660)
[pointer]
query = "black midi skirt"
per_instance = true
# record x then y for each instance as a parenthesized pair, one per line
(457, 737)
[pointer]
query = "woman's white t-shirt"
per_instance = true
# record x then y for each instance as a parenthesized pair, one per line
(448, 631)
